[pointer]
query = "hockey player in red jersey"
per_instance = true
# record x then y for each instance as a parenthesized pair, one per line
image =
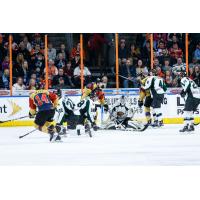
(94, 89)
(42, 106)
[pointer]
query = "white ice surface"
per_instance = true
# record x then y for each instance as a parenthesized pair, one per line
(164, 146)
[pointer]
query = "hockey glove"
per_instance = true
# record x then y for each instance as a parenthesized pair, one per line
(140, 103)
(182, 93)
(94, 126)
(106, 107)
(31, 116)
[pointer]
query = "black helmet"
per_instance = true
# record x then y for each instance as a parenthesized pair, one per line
(58, 92)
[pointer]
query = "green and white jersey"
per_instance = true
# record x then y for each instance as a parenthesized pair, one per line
(87, 108)
(190, 87)
(65, 107)
(155, 84)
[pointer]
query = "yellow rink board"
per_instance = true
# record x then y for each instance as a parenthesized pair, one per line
(30, 123)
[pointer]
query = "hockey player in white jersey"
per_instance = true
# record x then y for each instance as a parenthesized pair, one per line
(157, 89)
(121, 116)
(191, 94)
(64, 113)
(87, 116)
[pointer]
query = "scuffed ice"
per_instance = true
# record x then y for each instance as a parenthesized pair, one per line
(164, 146)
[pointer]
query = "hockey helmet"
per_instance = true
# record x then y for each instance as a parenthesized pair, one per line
(122, 100)
(58, 92)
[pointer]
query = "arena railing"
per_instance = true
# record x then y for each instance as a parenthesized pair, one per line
(81, 59)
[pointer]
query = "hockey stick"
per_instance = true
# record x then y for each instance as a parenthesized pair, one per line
(21, 136)
(13, 119)
(124, 77)
(196, 124)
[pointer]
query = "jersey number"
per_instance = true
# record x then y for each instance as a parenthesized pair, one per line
(80, 103)
(42, 100)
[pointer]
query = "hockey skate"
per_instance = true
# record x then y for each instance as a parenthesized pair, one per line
(54, 137)
(88, 130)
(184, 129)
(191, 128)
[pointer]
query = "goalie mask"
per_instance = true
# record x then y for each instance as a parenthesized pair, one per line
(122, 100)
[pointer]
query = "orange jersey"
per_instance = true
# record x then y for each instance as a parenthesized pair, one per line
(43, 100)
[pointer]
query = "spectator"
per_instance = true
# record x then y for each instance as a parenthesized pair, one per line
(37, 40)
(178, 67)
(42, 81)
(168, 79)
(166, 66)
(19, 84)
(69, 73)
(5, 79)
(159, 72)
(157, 37)
(161, 52)
(38, 63)
(196, 75)
(5, 63)
(61, 84)
(135, 54)
(104, 82)
(175, 52)
(75, 55)
(32, 85)
(26, 72)
(56, 77)
(24, 51)
(146, 52)
(156, 63)
(36, 77)
(52, 69)
(123, 54)
(194, 63)
(17, 69)
(51, 52)
(35, 52)
(191, 72)
(129, 72)
(60, 62)
(77, 75)
(27, 44)
(197, 52)
(140, 68)
(64, 52)
(95, 46)
(176, 72)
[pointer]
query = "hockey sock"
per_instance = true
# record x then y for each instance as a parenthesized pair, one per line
(44, 128)
(147, 113)
(154, 116)
(188, 119)
(158, 114)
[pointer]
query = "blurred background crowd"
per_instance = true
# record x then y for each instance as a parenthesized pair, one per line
(99, 59)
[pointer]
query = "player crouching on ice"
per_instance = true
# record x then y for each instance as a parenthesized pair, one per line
(64, 113)
(45, 103)
(87, 110)
(191, 92)
(121, 117)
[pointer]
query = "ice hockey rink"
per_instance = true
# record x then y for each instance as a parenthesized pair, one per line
(165, 146)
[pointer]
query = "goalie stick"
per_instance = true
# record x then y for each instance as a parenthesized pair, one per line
(13, 119)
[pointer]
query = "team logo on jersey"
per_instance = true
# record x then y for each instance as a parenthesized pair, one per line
(15, 108)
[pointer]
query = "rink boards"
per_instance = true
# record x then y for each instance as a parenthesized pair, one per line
(18, 106)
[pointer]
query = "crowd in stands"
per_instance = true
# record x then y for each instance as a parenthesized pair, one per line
(169, 58)
(64, 64)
